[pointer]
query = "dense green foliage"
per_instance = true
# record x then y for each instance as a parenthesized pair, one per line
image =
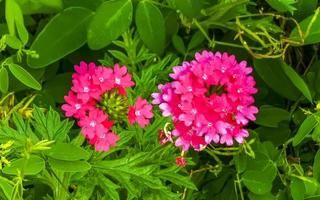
(43, 156)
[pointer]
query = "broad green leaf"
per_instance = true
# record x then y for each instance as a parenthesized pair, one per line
(24, 76)
(178, 44)
(190, 8)
(31, 166)
(261, 197)
(67, 152)
(311, 185)
(40, 6)
(111, 19)
(283, 5)
(316, 166)
(310, 24)
(4, 80)
(297, 81)
(270, 116)
(151, 26)
(304, 8)
(271, 72)
(69, 166)
(240, 162)
(256, 182)
(6, 186)
(306, 127)
(64, 33)
(58, 86)
(297, 189)
(277, 135)
(196, 40)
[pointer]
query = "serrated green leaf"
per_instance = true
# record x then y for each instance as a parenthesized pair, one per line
(31, 166)
(4, 80)
(297, 81)
(64, 33)
(24, 76)
(111, 19)
(306, 127)
(151, 26)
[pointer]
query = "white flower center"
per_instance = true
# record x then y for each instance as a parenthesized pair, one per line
(101, 79)
(86, 89)
(194, 111)
(189, 89)
(223, 69)
(165, 97)
(117, 80)
(137, 113)
(77, 106)
(93, 124)
(205, 77)
(209, 124)
(239, 90)
(239, 108)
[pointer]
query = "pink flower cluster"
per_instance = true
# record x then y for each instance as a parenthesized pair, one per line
(89, 83)
(210, 100)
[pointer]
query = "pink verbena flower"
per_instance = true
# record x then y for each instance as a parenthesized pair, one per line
(141, 113)
(94, 101)
(210, 100)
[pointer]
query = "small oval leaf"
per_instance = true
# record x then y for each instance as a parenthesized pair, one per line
(297, 81)
(4, 80)
(31, 166)
(151, 26)
(24, 76)
(68, 152)
(306, 127)
(112, 19)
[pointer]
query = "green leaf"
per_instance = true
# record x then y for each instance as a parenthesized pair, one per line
(271, 72)
(109, 187)
(297, 81)
(196, 40)
(311, 23)
(190, 8)
(31, 166)
(172, 176)
(58, 86)
(256, 182)
(151, 26)
(4, 80)
(50, 126)
(40, 6)
(178, 44)
(6, 186)
(240, 162)
(262, 197)
(67, 152)
(64, 33)
(282, 5)
(270, 116)
(13, 42)
(69, 166)
(15, 21)
(297, 189)
(306, 127)
(111, 19)
(316, 166)
(24, 76)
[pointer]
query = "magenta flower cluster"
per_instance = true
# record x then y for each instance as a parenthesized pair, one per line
(210, 100)
(89, 84)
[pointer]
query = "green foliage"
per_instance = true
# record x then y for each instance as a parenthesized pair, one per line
(44, 156)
